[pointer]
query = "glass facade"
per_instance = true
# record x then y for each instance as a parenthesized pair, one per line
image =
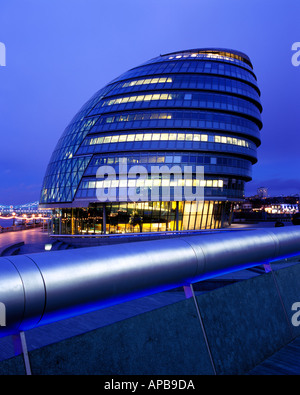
(198, 107)
(138, 217)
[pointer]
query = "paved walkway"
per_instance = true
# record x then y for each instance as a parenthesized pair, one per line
(34, 239)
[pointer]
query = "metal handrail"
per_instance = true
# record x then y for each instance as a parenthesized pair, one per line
(40, 288)
(139, 234)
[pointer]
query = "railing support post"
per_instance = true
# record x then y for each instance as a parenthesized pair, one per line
(268, 269)
(189, 293)
(20, 347)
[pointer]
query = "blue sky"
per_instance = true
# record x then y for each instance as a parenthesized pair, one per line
(60, 52)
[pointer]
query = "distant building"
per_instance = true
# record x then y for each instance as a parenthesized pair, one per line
(247, 205)
(255, 208)
(262, 192)
(282, 208)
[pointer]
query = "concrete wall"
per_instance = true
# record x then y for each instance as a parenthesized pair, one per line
(245, 323)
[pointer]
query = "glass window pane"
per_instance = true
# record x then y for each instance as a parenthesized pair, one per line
(131, 137)
(156, 136)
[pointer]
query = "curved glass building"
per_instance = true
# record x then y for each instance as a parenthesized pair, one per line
(191, 109)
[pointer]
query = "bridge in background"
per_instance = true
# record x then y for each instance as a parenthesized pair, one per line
(23, 211)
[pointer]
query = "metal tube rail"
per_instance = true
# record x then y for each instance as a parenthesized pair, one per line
(40, 288)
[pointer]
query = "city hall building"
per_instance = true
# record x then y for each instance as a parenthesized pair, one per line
(191, 109)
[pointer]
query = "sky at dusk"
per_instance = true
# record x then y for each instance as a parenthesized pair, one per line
(60, 52)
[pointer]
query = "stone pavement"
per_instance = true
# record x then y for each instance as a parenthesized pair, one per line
(34, 240)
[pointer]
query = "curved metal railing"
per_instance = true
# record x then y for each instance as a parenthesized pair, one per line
(45, 287)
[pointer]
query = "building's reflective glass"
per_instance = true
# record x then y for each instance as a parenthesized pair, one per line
(198, 107)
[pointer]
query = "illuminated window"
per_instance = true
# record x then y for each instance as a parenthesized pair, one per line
(123, 183)
(115, 139)
(131, 183)
(156, 136)
(152, 182)
(166, 137)
(130, 137)
(147, 81)
(164, 96)
(210, 55)
(140, 182)
(156, 97)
